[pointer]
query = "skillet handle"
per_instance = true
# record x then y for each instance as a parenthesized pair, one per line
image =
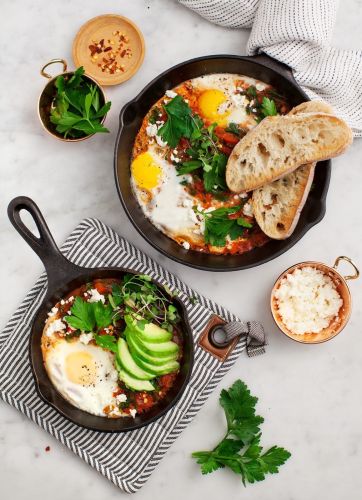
(58, 268)
(275, 65)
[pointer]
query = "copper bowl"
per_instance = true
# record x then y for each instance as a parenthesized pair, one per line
(340, 282)
(47, 96)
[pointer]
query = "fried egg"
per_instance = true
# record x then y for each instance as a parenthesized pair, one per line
(83, 374)
(220, 100)
(162, 196)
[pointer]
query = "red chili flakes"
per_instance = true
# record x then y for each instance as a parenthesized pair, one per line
(112, 52)
(47, 448)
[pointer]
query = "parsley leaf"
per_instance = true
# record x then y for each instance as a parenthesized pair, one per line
(179, 122)
(82, 317)
(242, 455)
(103, 314)
(233, 129)
(268, 107)
(218, 225)
(76, 110)
(107, 342)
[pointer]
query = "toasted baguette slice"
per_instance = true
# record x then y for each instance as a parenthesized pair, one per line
(312, 107)
(280, 144)
(277, 206)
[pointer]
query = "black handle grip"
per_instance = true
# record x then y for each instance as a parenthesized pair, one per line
(274, 65)
(58, 268)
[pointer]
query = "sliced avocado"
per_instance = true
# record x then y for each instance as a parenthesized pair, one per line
(134, 383)
(159, 349)
(169, 367)
(126, 362)
(149, 332)
(136, 349)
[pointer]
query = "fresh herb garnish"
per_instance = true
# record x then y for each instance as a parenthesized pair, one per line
(240, 449)
(219, 225)
(107, 342)
(268, 107)
(143, 299)
(76, 110)
(233, 129)
(90, 316)
(179, 123)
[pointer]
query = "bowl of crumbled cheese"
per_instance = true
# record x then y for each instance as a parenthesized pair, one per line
(311, 302)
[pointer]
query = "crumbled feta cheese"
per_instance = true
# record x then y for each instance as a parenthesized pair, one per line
(95, 296)
(54, 310)
(62, 302)
(160, 142)
(239, 100)
(248, 209)
(307, 300)
(85, 338)
(260, 86)
(151, 129)
(171, 94)
(186, 245)
(55, 326)
(243, 195)
(71, 298)
(133, 412)
(208, 210)
(121, 398)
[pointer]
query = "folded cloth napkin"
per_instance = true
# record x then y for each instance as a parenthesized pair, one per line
(127, 459)
(297, 33)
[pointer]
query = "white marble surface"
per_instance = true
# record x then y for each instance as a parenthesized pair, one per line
(310, 395)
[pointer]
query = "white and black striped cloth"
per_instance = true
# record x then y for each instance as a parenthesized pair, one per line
(298, 33)
(127, 459)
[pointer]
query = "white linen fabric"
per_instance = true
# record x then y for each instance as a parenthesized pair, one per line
(298, 33)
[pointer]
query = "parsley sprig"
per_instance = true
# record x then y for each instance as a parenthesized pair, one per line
(76, 110)
(219, 225)
(240, 449)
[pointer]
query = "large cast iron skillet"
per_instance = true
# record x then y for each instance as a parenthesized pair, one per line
(261, 67)
(63, 277)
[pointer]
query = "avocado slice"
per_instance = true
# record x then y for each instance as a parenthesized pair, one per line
(126, 361)
(169, 367)
(134, 383)
(137, 349)
(150, 332)
(159, 349)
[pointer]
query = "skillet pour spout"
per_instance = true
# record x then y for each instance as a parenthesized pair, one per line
(63, 278)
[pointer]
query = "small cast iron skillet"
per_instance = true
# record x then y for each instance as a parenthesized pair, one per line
(260, 67)
(63, 277)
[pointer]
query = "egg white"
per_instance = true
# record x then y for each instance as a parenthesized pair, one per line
(88, 394)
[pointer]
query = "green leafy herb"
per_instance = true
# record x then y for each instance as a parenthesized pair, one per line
(233, 129)
(155, 115)
(179, 122)
(76, 110)
(219, 225)
(143, 298)
(107, 342)
(89, 316)
(240, 449)
(268, 107)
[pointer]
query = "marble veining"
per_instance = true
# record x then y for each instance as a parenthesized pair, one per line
(309, 395)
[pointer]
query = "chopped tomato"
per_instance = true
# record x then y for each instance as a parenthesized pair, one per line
(101, 287)
(143, 401)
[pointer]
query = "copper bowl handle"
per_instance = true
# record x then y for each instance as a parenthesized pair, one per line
(350, 261)
(53, 61)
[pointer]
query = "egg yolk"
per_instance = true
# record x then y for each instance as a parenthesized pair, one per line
(209, 103)
(80, 368)
(146, 172)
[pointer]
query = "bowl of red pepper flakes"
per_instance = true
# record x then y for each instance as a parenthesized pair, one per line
(110, 47)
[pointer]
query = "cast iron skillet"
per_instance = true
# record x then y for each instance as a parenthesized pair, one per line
(63, 277)
(260, 67)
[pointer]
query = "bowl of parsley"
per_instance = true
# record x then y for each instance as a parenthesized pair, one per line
(72, 106)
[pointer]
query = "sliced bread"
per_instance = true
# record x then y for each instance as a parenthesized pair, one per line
(277, 206)
(280, 144)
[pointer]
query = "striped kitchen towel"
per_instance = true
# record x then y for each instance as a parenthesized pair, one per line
(298, 33)
(126, 459)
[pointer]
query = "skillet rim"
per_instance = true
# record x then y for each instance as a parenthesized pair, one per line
(283, 72)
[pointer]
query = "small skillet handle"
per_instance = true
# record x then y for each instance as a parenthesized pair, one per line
(58, 268)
